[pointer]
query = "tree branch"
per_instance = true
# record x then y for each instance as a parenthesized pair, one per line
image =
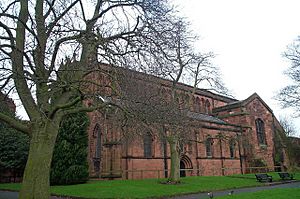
(15, 124)
(64, 106)
(18, 64)
(52, 25)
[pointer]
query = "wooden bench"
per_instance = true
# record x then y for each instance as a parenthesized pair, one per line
(263, 177)
(286, 176)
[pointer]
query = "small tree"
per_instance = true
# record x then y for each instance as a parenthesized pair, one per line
(69, 163)
(288, 126)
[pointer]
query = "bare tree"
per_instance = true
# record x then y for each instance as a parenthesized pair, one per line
(286, 144)
(288, 126)
(289, 96)
(205, 75)
(177, 56)
(48, 49)
(163, 107)
(151, 108)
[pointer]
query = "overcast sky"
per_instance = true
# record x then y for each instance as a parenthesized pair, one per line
(249, 37)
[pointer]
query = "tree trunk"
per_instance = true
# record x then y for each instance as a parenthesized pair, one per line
(36, 183)
(175, 160)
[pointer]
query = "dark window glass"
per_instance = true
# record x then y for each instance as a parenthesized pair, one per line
(232, 148)
(198, 105)
(97, 135)
(260, 130)
(207, 107)
(148, 145)
(208, 144)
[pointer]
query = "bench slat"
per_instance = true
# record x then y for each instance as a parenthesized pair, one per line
(286, 176)
(263, 177)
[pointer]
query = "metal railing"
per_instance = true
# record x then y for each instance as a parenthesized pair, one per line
(160, 173)
(10, 175)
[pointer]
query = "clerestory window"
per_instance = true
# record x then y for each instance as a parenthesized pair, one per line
(207, 107)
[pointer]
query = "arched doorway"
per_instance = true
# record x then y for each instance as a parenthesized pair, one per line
(185, 163)
(182, 169)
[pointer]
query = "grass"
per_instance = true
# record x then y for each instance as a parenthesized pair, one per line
(150, 187)
(290, 193)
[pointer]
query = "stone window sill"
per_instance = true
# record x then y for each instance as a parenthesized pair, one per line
(263, 146)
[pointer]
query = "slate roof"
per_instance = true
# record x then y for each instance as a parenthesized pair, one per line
(241, 103)
(205, 118)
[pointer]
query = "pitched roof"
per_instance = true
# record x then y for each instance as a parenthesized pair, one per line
(205, 118)
(242, 103)
(168, 83)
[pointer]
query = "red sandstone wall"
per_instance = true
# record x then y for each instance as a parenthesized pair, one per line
(145, 168)
(128, 161)
(246, 115)
(258, 110)
(5, 100)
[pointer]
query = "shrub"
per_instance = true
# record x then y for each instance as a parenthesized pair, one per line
(14, 146)
(69, 162)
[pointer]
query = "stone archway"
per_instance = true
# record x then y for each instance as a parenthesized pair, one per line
(185, 163)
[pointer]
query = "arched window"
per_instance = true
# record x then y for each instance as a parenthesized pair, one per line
(178, 100)
(208, 145)
(187, 101)
(232, 148)
(96, 130)
(207, 107)
(148, 145)
(197, 105)
(260, 130)
(97, 154)
(164, 95)
(97, 135)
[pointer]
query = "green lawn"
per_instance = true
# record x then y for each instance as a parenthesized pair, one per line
(288, 193)
(150, 187)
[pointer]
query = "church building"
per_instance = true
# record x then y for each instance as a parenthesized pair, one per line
(231, 136)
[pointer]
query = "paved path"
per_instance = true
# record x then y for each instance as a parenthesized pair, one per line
(292, 184)
(295, 184)
(15, 195)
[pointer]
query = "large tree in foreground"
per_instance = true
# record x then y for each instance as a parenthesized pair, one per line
(48, 48)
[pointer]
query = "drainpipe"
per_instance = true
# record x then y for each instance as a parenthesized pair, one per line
(273, 138)
(165, 158)
(238, 135)
(222, 159)
(126, 162)
(197, 155)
